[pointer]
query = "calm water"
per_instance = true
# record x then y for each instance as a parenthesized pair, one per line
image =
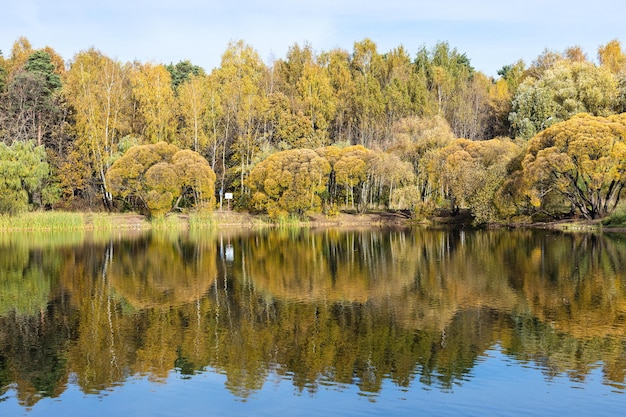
(332, 322)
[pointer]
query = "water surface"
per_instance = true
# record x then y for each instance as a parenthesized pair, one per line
(341, 322)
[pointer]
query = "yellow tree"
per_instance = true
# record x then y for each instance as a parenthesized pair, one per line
(368, 102)
(402, 90)
(470, 173)
(612, 57)
(20, 52)
(415, 139)
(310, 98)
(97, 89)
(152, 90)
(196, 179)
(289, 182)
(244, 104)
(192, 98)
(317, 101)
(352, 172)
(337, 66)
(500, 95)
(581, 160)
(158, 177)
(212, 119)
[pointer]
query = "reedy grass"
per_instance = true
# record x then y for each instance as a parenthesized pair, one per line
(291, 221)
(167, 222)
(49, 220)
(201, 220)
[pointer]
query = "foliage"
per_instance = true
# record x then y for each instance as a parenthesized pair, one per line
(157, 177)
(182, 72)
(289, 182)
(581, 161)
(400, 109)
(23, 174)
(152, 89)
(97, 89)
(563, 90)
(470, 173)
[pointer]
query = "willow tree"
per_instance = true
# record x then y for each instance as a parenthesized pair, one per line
(469, 173)
(24, 171)
(582, 161)
(289, 182)
(415, 139)
(156, 178)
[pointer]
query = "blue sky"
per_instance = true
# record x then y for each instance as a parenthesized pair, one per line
(492, 33)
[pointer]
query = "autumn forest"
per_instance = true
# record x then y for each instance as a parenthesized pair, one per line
(316, 131)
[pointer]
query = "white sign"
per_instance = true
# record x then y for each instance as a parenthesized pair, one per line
(228, 196)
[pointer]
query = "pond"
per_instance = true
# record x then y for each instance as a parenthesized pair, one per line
(313, 323)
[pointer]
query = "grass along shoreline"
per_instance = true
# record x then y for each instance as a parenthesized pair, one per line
(65, 221)
(79, 221)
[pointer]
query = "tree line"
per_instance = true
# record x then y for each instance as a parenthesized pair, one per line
(314, 131)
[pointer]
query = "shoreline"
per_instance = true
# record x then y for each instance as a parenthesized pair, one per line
(50, 221)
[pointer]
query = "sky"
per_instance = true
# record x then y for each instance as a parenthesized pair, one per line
(492, 33)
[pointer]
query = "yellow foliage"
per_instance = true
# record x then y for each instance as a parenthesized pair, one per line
(160, 175)
(289, 182)
(581, 160)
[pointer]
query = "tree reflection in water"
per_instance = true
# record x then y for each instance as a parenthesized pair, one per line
(315, 307)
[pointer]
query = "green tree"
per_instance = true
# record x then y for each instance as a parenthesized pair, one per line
(563, 90)
(289, 182)
(449, 77)
(23, 177)
(182, 72)
(401, 89)
(32, 103)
